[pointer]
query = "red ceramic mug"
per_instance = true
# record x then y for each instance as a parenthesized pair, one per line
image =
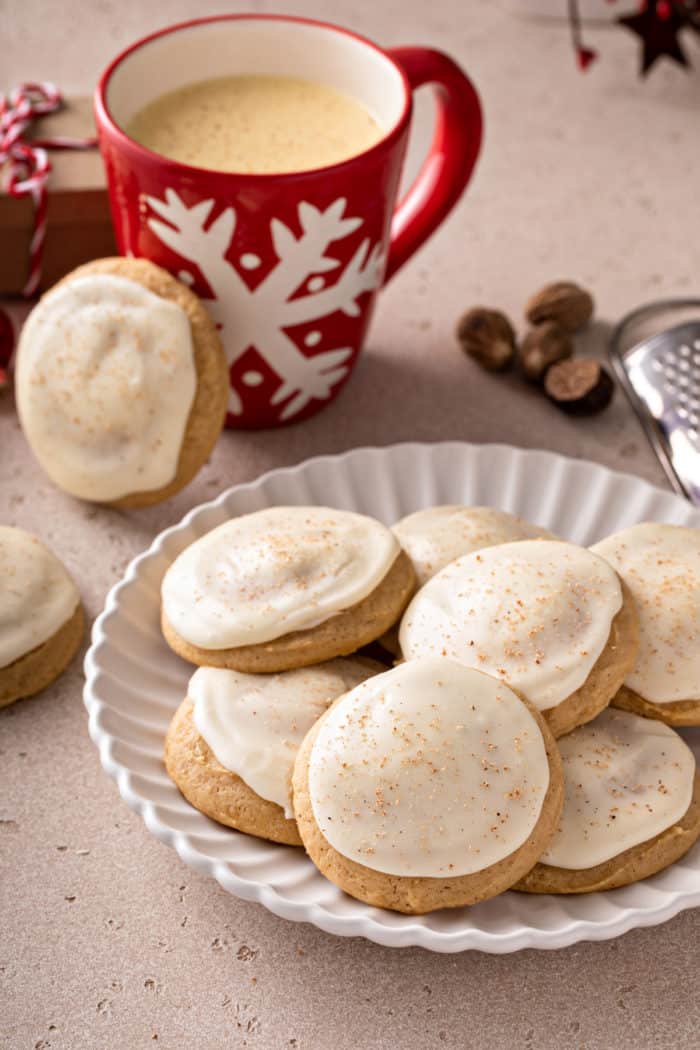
(288, 264)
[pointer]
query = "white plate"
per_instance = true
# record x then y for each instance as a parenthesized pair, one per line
(134, 683)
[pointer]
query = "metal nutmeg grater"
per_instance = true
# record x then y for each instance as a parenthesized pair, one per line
(655, 351)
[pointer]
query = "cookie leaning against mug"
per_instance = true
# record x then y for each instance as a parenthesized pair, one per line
(661, 566)
(121, 383)
(41, 617)
(284, 587)
(632, 806)
(429, 786)
(549, 618)
(232, 743)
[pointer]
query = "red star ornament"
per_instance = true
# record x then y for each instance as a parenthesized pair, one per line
(657, 26)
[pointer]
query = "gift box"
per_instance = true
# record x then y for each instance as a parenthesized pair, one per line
(79, 227)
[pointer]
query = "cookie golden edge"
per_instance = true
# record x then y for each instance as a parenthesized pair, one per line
(632, 865)
(35, 670)
(675, 713)
(420, 894)
(340, 635)
(208, 411)
(216, 791)
(220, 793)
(606, 676)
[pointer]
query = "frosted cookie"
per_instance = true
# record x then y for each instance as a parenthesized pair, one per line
(549, 618)
(632, 806)
(284, 587)
(121, 383)
(429, 786)
(661, 566)
(435, 536)
(41, 617)
(232, 743)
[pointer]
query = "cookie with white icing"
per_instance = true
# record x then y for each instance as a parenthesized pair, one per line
(41, 616)
(435, 536)
(632, 806)
(429, 786)
(549, 618)
(283, 588)
(121, 383)
(661, 566)
(232, 742)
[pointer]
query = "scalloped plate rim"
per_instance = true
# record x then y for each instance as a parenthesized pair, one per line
(410, 933)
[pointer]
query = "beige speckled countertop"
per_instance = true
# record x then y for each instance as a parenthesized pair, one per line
(106, 939)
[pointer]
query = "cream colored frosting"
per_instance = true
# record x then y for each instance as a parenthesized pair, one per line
(272, 572)
(37, 596)
(255, 723)
(430, 769)
(536, 613)
(105, 381)
(661, 566)
(627, 779)
(435, 536)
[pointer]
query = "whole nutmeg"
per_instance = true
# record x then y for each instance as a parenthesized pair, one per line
(580, 386)
(544, 345)
(562, 301)
(488, 337)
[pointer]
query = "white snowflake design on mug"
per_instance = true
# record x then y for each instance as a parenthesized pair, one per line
(257, 317)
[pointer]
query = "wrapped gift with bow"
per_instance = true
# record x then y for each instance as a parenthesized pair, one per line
(54, 211)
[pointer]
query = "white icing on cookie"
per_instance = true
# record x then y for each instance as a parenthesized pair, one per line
(105, 381)
(661, 566)
(37, 596)
(536, 613)
(434, 537)
(266, 574)
(627, 779)
(430, 769)
(255, 723)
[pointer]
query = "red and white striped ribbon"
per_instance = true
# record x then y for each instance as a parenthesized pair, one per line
(26, 164)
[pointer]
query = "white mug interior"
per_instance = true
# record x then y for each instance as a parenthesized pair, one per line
(244, 46)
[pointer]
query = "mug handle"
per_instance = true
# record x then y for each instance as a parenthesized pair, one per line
(452, 155)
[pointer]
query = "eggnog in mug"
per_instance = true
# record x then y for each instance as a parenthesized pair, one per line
(256, 124)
